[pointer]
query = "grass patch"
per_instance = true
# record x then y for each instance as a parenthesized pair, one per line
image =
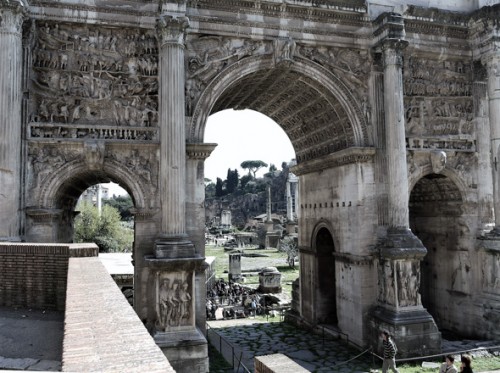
(479, 364)
(216, 362)
(288, 275)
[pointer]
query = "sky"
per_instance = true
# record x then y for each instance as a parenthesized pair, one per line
(241, 136)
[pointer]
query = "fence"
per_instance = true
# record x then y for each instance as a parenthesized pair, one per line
(233, 355)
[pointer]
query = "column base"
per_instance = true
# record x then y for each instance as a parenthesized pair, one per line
(174, 247)
(413, 330)
(186, 350)
(401, 243)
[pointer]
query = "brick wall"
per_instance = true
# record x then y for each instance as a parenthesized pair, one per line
(102, 332)
(34, 275)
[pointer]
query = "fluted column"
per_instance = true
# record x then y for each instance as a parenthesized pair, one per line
(10, 119)
(397, 179)
(172, 242)
(493, 88)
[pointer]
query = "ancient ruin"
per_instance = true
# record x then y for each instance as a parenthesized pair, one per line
(393, 111)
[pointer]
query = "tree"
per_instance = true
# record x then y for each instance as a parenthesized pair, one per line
(253, 166)
(105, 230)
(272, 168)
(232, 180)
(219, 192)
(123, 204)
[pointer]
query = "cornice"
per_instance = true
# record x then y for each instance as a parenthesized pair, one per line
(343, 12)
(200, 150)
(144, 17)
(340, 158)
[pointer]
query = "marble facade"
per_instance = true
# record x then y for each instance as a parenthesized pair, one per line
(393, 111)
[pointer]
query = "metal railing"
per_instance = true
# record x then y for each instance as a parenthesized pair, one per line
(228, 351)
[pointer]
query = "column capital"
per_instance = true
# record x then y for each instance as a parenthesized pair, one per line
(393, 51)
(11, 17)
(172, 30)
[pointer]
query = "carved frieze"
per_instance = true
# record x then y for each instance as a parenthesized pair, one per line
(175, 304)
(349, 64)
(207, 56)
(45, 160)
(90, 77)
(439, 109)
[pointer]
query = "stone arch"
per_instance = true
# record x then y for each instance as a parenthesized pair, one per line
(437, 217)
(346, 117)
(323, 244)
(78, 170)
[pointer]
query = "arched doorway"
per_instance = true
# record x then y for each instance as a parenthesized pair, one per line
(436, 218)
(326, 302)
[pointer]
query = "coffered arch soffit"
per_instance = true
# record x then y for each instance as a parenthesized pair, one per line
(314, 107)
(445, 186)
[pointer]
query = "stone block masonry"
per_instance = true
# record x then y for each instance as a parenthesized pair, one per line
(102, 332)
(34, 275)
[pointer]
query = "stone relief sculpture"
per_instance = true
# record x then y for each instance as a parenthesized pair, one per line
(174, 300)
(438, 104)
(386, 283)
(207, 56)
(408, 283)
(86, 77)
(284, 50)
(350, 64)
(491, 272)
(461, 278)
(44, 161)
(438, 161)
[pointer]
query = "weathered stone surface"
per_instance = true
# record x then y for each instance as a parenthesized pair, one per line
(393, 111)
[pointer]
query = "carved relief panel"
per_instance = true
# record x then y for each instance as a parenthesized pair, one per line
(93, 82)
(174, 298)
(207, 56)
(438, 104)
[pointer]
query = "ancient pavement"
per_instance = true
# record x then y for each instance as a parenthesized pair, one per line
(254, 337)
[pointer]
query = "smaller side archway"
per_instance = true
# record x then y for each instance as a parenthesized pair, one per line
(325, 292)
(437, 217)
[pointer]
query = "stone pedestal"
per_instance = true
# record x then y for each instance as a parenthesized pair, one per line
(234, 267)
(269, 280)
(400, 309)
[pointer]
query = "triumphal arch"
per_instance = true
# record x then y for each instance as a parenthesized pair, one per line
(393, 112)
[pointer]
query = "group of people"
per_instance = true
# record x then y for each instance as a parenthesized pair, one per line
(229, 295)
(389, 358)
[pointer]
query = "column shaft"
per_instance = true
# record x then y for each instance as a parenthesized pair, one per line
(493, 65)
(10, 121)
(171, 118)
(397, 179)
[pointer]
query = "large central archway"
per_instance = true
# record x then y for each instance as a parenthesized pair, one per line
(312, 105)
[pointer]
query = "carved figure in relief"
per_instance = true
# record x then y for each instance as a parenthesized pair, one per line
(460, 278)
(388, 283)
(44, 162)
(438, 161)
(185, 302)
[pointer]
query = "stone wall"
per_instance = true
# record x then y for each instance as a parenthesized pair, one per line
(102, 332)
(34, 275)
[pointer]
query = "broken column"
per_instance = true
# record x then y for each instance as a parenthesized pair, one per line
(235, 267)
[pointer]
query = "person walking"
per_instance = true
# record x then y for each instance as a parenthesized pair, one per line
(389, 354)
(466, 366)
(448, 366)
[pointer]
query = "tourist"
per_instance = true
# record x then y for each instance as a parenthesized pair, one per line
(448, 366)
(389, 354)
(465, 367)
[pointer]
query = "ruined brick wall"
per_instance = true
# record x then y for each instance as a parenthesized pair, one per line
(35, 275)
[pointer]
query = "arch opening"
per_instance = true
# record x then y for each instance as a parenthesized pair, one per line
(305, 101)
(326, 303)
(435, 208)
